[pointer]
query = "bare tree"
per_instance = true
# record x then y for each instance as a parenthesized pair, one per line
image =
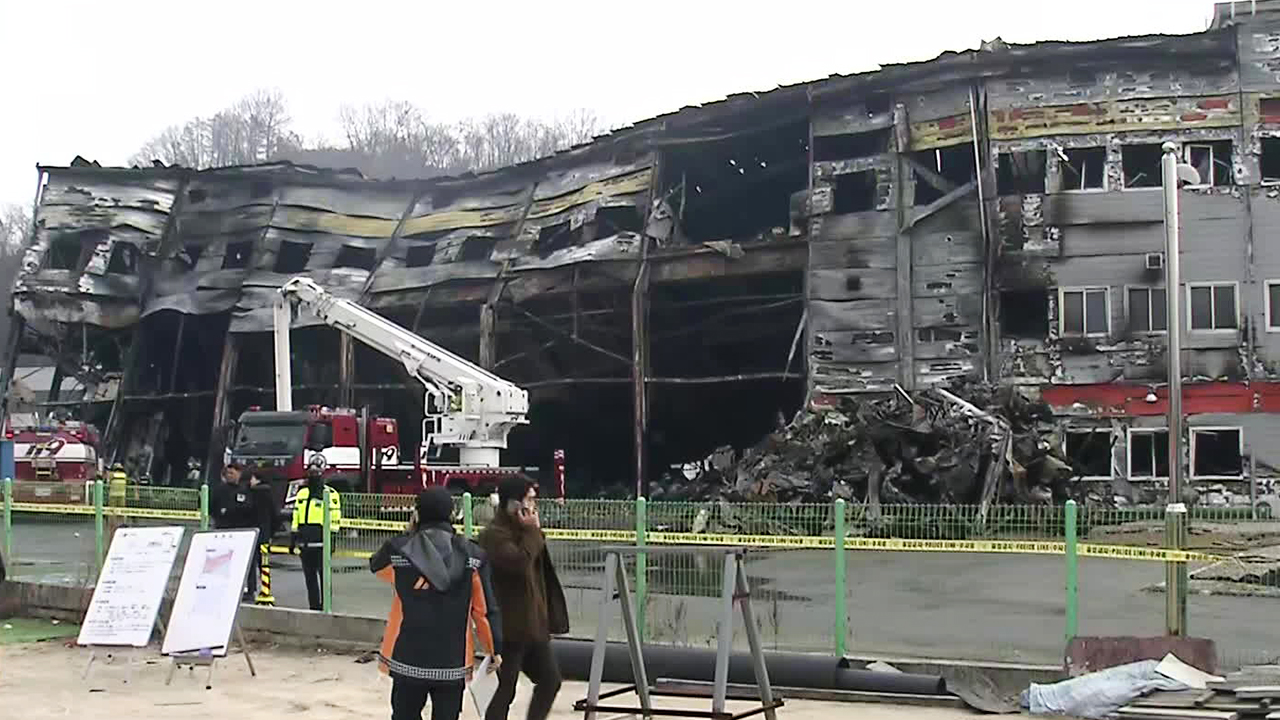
(393, 138)
(15, 230)
(255, 129)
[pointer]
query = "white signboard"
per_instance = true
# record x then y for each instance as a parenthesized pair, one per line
(209, 593)
(130, 587)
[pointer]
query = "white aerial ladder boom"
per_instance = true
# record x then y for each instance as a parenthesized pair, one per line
(466, 406)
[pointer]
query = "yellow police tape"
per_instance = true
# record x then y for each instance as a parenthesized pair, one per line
(801, 542)
(109, 511)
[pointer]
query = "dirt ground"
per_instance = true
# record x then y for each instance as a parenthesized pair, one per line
(43, 679)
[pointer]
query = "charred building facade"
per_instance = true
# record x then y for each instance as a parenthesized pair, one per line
(682, 283)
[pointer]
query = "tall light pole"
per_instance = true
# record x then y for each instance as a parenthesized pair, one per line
(1175, 512)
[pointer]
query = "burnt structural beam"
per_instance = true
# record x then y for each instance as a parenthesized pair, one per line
(346, 370)
(904, 331)
(569, 336)
(222, 399)
(986, 187)
(640, 368)
(489, 321)
(489, 311)
(177, 353)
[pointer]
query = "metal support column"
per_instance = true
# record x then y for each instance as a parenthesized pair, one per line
(1175, 573)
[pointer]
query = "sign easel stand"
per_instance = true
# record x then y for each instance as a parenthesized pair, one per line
(207, 658)
(130, 651)
(734, 591)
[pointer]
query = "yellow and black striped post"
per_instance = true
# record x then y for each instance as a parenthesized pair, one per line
(264, 569)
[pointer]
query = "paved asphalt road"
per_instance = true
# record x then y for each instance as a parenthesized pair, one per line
(955, 605)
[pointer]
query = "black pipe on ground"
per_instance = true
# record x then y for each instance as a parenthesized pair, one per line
(800, 670)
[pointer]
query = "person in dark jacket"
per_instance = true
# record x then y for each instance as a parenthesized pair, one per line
(267, 521)
(231, 505)
(442, 588)
(531, 598)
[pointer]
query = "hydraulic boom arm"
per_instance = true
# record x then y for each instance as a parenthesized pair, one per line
(466, 406)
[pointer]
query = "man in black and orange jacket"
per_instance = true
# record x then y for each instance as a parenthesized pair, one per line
(442, 588)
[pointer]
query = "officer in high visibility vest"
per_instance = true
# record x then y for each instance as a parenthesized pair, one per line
(117, 485)
(308, 526)
(117, 489)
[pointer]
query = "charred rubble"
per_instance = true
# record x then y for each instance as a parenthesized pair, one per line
(972, 445)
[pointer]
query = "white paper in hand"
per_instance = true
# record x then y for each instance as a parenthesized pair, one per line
(483, 686)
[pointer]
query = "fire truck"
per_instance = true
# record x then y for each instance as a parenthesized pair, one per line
(60, 454)
(361, 452)
(468, 410)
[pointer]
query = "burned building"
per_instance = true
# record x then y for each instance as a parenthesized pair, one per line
(684, 282)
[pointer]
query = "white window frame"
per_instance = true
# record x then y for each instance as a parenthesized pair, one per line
(1191, 459)
(1128, 453)
(1124, 187)
(1266, 305)
(1235, 289)
(1111, 460)
(1084, 291)
(1129, 318)
(1106, 182)
(1186, 158)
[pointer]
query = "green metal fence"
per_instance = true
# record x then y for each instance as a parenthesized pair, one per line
(839, 576)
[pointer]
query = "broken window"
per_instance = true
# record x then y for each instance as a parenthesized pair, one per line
(124, 259)
(737, 187)
(64, 253)
(1148, 454)
(1216, 452)
(1089, 452)
(850, 145)
(1269, 109)
(617, 219)
(1141, 165)
(195, 196)
(1213, 306)
(190, 254)
(556, 237)
(1024, 313)
(1084, 169)
(292, 256)
(854, 192)
(1148, 309)
(419, 254)
(352, 256)
(1020, 173)
(1270, 161)
(936, 334)
(1084, 311)
(476, 248)
(237, 255)
(1212, 160)
(941, 171)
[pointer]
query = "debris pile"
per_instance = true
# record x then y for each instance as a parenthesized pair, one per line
(972, 444)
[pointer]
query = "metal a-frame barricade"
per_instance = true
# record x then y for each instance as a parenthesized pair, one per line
(734, 589)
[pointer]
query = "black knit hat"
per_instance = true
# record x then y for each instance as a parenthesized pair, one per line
(434, 505)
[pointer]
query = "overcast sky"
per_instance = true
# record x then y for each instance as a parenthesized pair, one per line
(99, 78)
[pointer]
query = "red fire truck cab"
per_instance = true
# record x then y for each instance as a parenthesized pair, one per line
(62, 455)
(361, 452)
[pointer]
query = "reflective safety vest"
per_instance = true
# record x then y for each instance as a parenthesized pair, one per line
(308, 516)
(117, 483)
